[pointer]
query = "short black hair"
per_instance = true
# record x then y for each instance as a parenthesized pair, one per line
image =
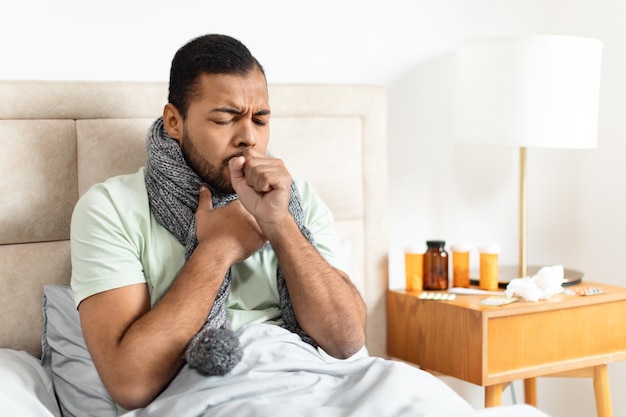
(207, 54)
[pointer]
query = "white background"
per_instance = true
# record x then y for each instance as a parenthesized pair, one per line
(438, 189)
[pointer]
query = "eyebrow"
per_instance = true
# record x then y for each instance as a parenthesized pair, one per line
(230, 110)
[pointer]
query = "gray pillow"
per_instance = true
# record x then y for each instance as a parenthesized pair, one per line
(65, 357)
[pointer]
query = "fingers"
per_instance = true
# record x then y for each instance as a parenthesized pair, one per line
(236, 170)
(205, 198)
(236, 163)
(259, 171)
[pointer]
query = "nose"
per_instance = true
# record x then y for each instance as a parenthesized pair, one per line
(246, 134)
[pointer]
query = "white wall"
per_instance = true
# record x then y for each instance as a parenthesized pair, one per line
(437, 189)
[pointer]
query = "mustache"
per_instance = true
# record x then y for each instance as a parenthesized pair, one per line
(226, 160)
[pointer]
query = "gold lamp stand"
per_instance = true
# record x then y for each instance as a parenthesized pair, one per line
(523, 205)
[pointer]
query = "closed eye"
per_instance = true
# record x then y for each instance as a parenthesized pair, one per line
(260, 118)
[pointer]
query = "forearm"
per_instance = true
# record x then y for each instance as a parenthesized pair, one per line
(327, 305)
(138, 350)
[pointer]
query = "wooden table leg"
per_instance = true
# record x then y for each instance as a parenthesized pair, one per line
(602, 390)
(493, 395)
(530, 391)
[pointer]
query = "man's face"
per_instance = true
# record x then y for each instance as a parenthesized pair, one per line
(230, 113)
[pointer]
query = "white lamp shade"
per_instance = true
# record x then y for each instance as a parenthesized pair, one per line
(528, 91)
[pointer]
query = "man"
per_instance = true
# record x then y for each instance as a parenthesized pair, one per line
(144, 290)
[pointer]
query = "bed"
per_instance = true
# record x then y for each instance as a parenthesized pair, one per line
(59, 138)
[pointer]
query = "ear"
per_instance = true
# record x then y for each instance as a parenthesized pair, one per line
(173, 122)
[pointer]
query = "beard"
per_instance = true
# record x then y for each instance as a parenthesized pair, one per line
(214, 176)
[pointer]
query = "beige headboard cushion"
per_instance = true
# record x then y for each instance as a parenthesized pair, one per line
(59, 138)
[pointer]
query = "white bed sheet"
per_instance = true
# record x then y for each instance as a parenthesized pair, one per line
(25, 388)
(280, 375)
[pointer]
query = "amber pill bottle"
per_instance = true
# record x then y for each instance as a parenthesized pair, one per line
(435, 266)
(414, 267)
(488, 279)
(460, 265)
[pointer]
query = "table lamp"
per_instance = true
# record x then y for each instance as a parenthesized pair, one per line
(528, 91)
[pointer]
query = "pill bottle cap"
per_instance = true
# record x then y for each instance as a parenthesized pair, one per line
(461, 247)
(436, 243)
(490, 248)
(415, 248)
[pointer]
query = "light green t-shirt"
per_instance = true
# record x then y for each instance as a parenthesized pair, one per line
(116, 241)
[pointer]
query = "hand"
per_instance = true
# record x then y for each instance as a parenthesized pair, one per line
(234, 230)
(263, 185)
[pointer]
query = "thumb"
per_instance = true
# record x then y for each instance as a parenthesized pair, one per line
(205, 198)
(235, 168)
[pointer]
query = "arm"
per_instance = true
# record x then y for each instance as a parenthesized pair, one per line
(326, 303)
(137, 350)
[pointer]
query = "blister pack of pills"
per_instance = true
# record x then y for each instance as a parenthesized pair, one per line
(498, 300)
(584, 290)
(442, 296)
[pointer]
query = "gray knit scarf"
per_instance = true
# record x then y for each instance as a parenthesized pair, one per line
(173, 195)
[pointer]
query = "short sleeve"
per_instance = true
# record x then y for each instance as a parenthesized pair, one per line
(105, 247)
(320, 222)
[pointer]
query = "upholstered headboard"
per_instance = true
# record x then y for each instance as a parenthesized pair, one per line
(59, 138)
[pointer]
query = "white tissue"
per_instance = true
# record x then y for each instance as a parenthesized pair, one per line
(541, 286)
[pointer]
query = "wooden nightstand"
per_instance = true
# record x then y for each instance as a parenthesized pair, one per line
(491, 346)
